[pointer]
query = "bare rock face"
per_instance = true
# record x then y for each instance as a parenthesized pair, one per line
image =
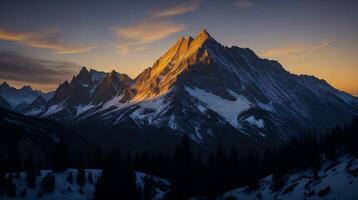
(111, 85)
(205, 90)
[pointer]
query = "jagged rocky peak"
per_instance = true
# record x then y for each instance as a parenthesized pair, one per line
(199, 86)
(5, 84)
(63, 85)
(4, 87)
(185, 53)
(83, 77)
(112, 76)
(189, 45)
(115, 76)
(203, 36)
(26, 88)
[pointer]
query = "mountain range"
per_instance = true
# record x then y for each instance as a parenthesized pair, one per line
(201, 89)
(19, 99)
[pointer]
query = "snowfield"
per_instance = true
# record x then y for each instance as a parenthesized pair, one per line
(336, 180)
(228, 110)
(65, 190)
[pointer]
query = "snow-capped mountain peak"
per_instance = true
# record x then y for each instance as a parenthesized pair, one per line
(200, 87)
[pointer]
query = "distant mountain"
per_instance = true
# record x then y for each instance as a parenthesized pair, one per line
(4, 103)
(85, 90)
(38, 104)
(206, 91)
(20, 98)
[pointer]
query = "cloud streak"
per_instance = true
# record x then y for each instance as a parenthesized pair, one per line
(297, 49)
(135, 37)
(19, 68)
(178, 9)
(45, 40)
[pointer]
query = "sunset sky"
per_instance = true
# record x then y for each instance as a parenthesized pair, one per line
(44, 42)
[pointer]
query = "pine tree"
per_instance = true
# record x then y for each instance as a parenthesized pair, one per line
(90, 178)
(60, 157)
(48, 183)
(81, 177)
(69, 177)
(81, 173)
(10, 187)
(117, 180)
(183, 184)
(149, 190)
(2, 185)
(31, 178)
(278, 181)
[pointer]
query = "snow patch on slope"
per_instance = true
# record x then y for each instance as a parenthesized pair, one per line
(81, 109)
(53, 109)
(339, 177)
(160, 192)
(229, 110)
(34, 111)
(256, 122)
(150, 109)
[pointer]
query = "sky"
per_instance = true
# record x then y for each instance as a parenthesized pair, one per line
(44, 42)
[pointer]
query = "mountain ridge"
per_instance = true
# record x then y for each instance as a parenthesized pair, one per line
(21, 98)
(199, 88)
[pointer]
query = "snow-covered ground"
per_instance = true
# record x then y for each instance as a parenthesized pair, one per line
(334, 181)
(72, 191)
(63, 189)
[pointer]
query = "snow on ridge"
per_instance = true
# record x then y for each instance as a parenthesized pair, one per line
(34, 112)
(172, 123)
(81, 109)
(228, 110)
(256, 122)
(150, 109)
(53, 109)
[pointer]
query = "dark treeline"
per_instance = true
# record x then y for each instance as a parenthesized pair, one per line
(194, 174)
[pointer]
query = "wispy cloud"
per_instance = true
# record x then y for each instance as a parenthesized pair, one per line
(185, 7)
(135, 37)
(157, 26)
(297, 49)
(149, 31)
(46, 40)
(73, 50)
(245, 3)
(23, 69)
